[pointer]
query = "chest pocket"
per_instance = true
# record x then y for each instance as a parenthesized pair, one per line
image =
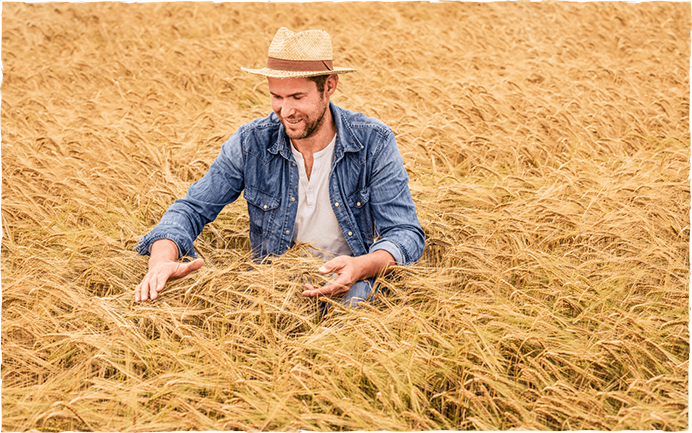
(261, 209)
(359, 198)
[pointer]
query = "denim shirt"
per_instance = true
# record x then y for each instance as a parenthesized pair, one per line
(368, 190)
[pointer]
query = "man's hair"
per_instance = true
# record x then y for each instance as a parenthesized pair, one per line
(319, 80)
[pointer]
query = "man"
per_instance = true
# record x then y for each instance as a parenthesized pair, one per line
(310, 172)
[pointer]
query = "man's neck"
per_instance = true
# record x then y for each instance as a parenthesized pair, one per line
(319, 140)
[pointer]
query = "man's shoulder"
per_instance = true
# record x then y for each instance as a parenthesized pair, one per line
(360, 120)
(258, 135)
(360, 131)
(261, 124)
(255, 137)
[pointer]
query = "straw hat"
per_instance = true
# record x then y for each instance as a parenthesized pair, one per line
(302, 54)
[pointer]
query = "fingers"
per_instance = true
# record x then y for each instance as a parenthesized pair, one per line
(182, 269)
(142, 290)
(330, 290)
(149, 288)
(155, 286)
(331, 265)
(155, 280)
(340, 285)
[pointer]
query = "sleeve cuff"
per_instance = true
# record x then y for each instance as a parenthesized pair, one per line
(185, 247)
(391, 248)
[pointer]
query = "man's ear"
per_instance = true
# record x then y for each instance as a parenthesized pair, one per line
(330, 84)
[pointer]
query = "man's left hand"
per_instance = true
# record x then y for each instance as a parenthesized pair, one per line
(346, 275)
(349, 270)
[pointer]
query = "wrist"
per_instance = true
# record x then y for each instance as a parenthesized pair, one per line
(369, 265)
(362, 267)
(163, 250)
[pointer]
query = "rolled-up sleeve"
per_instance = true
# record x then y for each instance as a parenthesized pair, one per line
(394, 212)
(186, 217)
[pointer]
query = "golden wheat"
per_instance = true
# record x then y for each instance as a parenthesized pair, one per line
(548, 150)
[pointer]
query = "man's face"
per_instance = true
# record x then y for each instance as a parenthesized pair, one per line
(298, 104)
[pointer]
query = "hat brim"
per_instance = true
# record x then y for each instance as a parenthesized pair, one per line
(295, 74)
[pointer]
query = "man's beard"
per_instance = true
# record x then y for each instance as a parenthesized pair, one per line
(310, 127)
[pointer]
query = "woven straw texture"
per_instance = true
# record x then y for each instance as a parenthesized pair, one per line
(306, 45)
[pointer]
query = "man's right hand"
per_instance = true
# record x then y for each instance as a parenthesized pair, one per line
(163, 265)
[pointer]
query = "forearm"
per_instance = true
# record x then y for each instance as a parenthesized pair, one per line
(185, 219)
(394, 213)
(369, 265)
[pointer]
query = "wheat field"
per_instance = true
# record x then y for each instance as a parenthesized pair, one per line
(548, 150)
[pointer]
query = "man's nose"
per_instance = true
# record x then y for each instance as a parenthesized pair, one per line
(287, 109)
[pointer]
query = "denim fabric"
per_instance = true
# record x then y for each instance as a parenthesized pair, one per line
(368, 189)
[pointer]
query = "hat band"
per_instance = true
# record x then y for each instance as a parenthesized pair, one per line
(299, 65)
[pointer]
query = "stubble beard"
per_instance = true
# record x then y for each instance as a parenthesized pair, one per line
(310, 128)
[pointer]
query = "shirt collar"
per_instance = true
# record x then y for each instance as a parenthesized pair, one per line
(346, 140)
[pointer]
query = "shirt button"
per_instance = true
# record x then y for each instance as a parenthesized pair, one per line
(350, 233)
(358, 204)
(293, 199)
(265, 206)
(288, 232)
(294, 164)
(336, 204)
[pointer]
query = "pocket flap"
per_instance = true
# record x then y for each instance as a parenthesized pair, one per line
(260, 199)
(359, 198)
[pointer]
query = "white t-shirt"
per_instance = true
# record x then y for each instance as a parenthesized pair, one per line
(315, 222)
